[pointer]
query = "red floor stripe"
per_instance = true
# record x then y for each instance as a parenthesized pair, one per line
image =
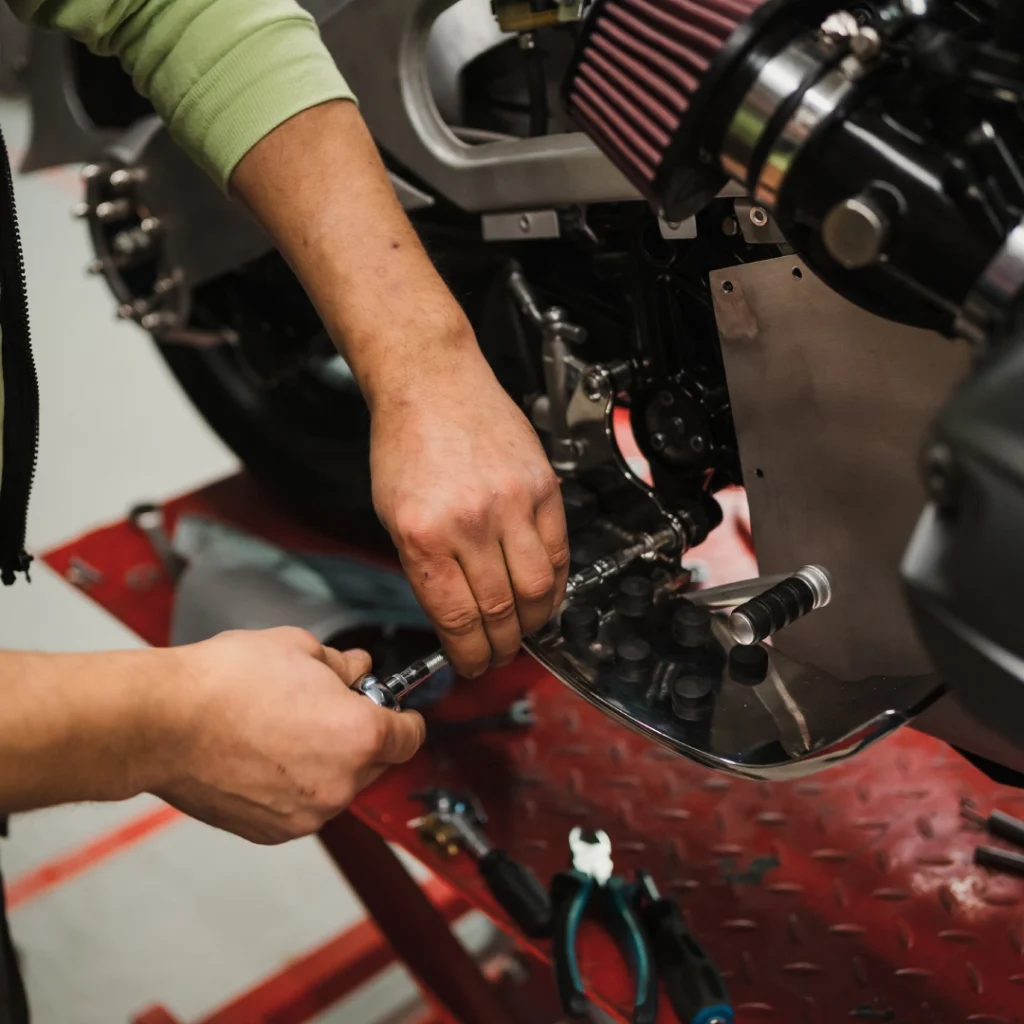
(48, 876)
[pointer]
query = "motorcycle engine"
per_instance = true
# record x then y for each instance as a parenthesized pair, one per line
(814, 177)
(886, 141)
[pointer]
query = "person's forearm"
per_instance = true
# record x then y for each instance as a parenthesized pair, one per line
(318, 185)
(77, 727)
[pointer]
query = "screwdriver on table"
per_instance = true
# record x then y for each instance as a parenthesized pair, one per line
(455, 820)
(390, 692)
(1003, 826)
(695, 988)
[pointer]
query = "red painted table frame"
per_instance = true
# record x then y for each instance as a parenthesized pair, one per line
(847, 897)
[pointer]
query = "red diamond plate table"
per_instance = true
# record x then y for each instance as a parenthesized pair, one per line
(848, 897)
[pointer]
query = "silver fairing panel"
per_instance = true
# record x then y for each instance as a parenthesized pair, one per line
(384, 48)
(381, 47)
(397, 61)
(832, 406)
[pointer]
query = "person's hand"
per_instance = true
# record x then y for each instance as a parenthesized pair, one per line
(462, 484)
(267, 740)
(459, 477)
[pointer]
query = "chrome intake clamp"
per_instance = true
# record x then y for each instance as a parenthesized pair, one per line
(806, 69)
(784, 76)
(819, 103)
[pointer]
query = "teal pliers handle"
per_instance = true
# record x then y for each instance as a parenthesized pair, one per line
(574, 895)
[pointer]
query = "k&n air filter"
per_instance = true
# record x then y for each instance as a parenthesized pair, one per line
(655, 83)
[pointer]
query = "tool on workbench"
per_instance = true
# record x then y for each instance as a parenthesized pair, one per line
(455, 821)
(148, 519)
(592, 886)
(391, 691)
(1003, 826)
(695, 988)
(519, 714)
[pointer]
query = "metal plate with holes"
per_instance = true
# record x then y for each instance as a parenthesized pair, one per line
(759, 227)
(800, 720)
(678, 229)
(831, 406)
(514, 227)
(382, 47)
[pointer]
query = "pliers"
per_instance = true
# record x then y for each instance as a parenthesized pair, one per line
(592, 886)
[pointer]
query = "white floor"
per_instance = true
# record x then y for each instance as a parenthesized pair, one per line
(191, 916)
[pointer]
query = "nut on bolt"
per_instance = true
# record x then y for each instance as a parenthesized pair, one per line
(839, 27)
(608, 379)
(596, 384)
(941, 476)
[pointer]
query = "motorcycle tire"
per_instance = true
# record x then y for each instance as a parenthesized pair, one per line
(315, 458)
(304, 437)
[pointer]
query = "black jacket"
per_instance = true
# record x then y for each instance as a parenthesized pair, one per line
(13, 1006)
(19, 389)
(19, 435)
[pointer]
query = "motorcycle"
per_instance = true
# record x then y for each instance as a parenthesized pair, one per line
(751, 228)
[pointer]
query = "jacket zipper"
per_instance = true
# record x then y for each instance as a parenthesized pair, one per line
(21, 387)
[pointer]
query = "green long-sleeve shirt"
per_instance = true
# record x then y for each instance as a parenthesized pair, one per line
(221, 73)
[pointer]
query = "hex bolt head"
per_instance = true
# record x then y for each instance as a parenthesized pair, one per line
(748, 664)
(581, 623)
(124, 177)
(691, 626)
(113, 209)
(941, 477)
(633, 660)
(159, 321)
(595, 385)
(635, 597)
(855, 232)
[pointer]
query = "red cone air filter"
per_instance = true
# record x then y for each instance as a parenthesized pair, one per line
(642, 85)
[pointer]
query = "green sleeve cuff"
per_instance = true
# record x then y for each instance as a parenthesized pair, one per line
(221, 73)
(261, 82)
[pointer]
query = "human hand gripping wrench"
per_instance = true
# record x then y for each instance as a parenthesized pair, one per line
(391, 691)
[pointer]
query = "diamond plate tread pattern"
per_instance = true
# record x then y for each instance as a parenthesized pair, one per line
(851, 896)
(847, 897)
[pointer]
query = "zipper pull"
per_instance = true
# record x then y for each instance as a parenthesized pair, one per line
(9, 574)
